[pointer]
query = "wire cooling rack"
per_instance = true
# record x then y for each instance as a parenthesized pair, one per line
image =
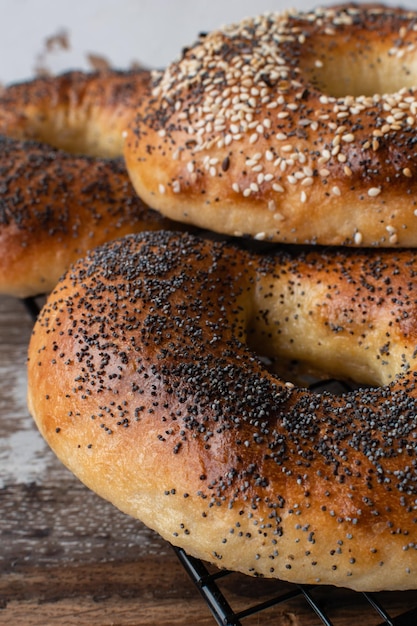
(373, 607)
(376, 609)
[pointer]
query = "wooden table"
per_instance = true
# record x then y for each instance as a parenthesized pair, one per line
(67, 557)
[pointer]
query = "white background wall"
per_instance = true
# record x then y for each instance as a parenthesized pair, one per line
(151, 32)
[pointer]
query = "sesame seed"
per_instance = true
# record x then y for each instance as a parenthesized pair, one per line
(262, 97)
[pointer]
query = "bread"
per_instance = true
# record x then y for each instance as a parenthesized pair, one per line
(78, 112)
(295, 127)
(146, 379)
(54, 207)
(64, 185)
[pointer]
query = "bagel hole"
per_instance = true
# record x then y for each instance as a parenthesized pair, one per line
(304, 376)
(358, 71)
(76, 141)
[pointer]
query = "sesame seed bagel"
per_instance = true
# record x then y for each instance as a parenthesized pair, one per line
(64, 185)
(292, 127)
(143, 379)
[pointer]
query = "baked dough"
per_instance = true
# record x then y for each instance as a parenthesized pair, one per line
(78, 112)
(297, 127)
(66, 189)
(55, 206)
(144, 381)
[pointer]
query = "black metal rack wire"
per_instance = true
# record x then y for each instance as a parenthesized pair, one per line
(216, 599)
(209, 582)
(208, 585)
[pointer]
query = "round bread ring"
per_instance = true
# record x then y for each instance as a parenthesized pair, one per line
(293, 127)
(143, 381)
(57, 204)
(79, 112)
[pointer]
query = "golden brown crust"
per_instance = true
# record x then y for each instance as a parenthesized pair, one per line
(294, 127)
(55, 205)
(142, 381)
(79, 112)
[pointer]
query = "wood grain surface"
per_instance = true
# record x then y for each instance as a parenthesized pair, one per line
(68, 557)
